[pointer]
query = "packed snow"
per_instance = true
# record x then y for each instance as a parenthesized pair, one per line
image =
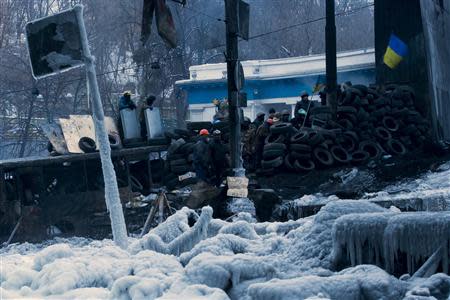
(342, 252)
(193, 256)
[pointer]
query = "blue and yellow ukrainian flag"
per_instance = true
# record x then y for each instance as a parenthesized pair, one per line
(321, 82)
(395, 52)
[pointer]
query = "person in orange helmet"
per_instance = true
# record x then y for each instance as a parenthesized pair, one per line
(202, 156)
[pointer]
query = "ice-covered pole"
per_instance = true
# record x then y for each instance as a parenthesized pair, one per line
(112, 197)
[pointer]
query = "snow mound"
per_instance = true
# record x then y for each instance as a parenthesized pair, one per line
(51, 254)
(196, 292)
(226, 271)
(362, 282)
(179, 237)
(418, 235)
(314, 249)
(222, 244)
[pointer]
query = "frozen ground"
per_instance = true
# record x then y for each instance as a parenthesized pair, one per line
(192, 256)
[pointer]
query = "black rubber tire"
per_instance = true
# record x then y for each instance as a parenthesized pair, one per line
(323, 157)
(340, 154)
(275, 138)
(136, 186)
(273, 163)
(300, 155)
(346, 110)
(187, 148)
(300, 148)
(390, 124)
(222, 126)
(280, 128)
(87, 145)
(347, 143)
(395, 147)
(50, 147)
(347, 124)
(289, 162)
(362, 88)
(178, 162)
(382, 134)
(183, 132)
(171, 157)
(270, 154)
(190, 158)
(314, 138)
(158, 141)
(198, 125)
(328, 134)
(360, 156)
(181, 169)
(300, 137)
(275, 146)
(320, 110)
(353, 135)
(372, 148)
(171, 135)
(306, 165)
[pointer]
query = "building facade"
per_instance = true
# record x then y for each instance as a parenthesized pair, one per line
(275, 83)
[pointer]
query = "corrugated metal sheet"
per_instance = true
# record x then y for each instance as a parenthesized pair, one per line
(436, 24)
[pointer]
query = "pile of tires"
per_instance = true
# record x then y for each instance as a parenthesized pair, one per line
(179, 161)
(371, 122)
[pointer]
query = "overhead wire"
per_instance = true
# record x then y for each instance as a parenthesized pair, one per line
(343, 13)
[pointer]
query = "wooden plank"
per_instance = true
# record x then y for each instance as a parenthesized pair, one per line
(84, 125)
(130, 153)
(71, 135)
(55, 135)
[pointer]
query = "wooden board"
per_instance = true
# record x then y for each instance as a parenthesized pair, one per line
(55, 135)
(84, 125)
(71, 135)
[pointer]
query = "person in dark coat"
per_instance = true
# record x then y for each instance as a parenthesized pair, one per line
(219, 157)
(125, 101)
(301, 109)
(285, 116)
(202, 156)
(143, 105)
(259, 119)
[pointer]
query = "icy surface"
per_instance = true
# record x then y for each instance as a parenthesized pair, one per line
(192, 256)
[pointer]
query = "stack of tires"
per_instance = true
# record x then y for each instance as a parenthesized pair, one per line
(276, 146)
(179, 162)
(370, 123)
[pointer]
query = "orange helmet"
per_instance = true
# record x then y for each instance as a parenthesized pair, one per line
(204, 132)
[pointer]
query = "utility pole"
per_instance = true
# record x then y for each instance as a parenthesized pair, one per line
(330, 44)
(232, 57)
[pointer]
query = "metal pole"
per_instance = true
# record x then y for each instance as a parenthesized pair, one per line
(112, 196)
(231, 17)
(331, 66)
